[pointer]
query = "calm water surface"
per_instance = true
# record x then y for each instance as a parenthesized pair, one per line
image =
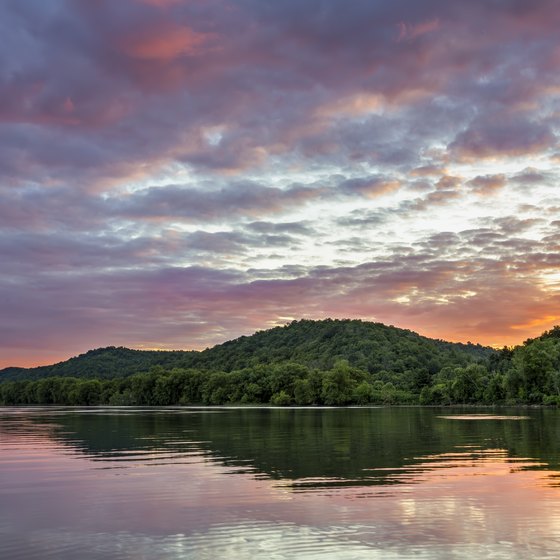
(375, 483)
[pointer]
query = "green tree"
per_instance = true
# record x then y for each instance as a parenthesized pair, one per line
(468, 384)
(281, 399)
(303, 392)
(495, 391)
(536, 363)
(363, 394)
(338, 385)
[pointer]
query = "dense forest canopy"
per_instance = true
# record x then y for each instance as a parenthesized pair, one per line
(329, 362)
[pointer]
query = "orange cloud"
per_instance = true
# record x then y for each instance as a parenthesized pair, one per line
(488, 184)
(163, 43)
(353, 105)
(428, 170)
(549, 320)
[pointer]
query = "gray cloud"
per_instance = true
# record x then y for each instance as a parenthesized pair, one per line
(153, 157)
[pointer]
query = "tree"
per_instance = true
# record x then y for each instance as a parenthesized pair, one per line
(303, 392)
(86, 392)
(536, 362)
(467, 386)
(338, 385)
(281, 399)
(495, 391)
(363, 394)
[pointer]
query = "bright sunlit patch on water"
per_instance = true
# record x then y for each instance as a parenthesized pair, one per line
(258, 541)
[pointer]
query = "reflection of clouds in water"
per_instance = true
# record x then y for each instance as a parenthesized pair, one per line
(176, 501)
(468, 503)
(254, 540)
(466, 461)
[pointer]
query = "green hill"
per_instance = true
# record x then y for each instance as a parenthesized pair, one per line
(330, 362)
(102, 363)
(372, 347)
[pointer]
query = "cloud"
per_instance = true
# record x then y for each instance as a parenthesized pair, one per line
(435, 288)
(196, 204)
(428, 170)
(362, 219)
(241, 199)
(145, 79)
(155, 153)
(369, 187)
(292, 228)
(486, 185)
(502, 138)
(162, 43)
(512, 225)
(532, 176)
(431, 200)
(409, 32)
(235, 242)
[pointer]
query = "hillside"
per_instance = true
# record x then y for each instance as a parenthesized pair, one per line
(372, 347)
(330, 362)
(102, 363)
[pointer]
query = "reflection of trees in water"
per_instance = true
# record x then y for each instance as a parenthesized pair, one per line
(341, 445)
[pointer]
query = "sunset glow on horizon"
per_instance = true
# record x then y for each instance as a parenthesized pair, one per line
(177, 173)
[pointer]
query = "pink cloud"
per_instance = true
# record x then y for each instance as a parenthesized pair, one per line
(163, 42)
(118, 98)
(473, 299)
(409, 31)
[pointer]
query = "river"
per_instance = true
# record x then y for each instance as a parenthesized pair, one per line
(268, 483)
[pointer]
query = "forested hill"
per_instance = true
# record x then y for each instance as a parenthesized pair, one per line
(102, 363)
(372, 347)
(329, 362)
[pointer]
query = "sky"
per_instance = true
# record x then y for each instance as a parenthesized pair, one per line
(177, 173)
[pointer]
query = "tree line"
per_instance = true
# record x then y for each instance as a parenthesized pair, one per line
(530, 377)
(329, 366)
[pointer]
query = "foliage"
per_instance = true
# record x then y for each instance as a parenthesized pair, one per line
(305, 363)
(372, 347)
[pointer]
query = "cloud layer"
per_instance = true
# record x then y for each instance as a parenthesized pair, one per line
(175, 173)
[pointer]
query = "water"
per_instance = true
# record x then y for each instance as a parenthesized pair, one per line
(354, 483)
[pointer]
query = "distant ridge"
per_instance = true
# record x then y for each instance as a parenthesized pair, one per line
(373, 347)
